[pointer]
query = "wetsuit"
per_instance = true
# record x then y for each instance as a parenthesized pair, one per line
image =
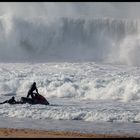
(10, 101)
(30, 92)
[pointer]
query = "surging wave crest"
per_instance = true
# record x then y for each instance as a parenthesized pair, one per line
(86, 81)
(69, 39)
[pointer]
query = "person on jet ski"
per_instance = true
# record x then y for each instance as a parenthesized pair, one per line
(10, 101)
(31, 93)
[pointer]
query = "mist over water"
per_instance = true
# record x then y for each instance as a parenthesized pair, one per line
(72, 32)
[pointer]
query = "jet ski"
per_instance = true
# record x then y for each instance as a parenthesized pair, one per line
(39, 99)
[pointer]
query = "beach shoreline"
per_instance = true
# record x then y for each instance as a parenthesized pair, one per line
(32, 133)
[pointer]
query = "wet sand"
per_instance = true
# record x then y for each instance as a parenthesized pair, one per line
(29, 133)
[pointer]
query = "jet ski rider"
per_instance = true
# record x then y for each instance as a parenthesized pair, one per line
(31, 93)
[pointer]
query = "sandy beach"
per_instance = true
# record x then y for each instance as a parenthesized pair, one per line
(29, 133)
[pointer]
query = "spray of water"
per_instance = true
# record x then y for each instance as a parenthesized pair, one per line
(69, 32)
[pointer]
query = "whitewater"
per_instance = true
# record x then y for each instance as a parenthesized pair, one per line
(88, 93)
(87, 67)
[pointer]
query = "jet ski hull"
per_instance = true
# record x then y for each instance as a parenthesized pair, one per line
(40, 100)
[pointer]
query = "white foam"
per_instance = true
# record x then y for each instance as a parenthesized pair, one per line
(70, 81)
(76, 91)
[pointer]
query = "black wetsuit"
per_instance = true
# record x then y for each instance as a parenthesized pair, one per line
(10, 101)
(30, 92)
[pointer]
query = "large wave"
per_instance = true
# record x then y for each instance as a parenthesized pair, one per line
(69, 39)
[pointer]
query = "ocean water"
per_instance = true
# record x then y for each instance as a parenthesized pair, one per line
(84, 61)
(90, 94)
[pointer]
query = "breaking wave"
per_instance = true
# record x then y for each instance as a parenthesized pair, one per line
(69, 39)
(83, 81)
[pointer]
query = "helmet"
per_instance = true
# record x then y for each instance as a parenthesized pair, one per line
(13, 97)
(34, 83)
